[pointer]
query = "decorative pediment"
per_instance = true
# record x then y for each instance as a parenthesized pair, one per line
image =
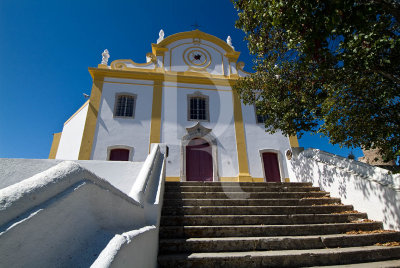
(197, 130)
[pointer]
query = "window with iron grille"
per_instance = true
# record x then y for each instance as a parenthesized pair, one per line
(198, 107)
(260, 118)
(125, 106)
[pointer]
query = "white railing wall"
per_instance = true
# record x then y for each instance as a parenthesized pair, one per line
(73, 212)
(369, 189)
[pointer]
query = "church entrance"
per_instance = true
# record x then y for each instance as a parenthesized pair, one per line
(199, 166)
(271, 167)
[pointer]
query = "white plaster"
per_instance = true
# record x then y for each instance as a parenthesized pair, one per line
(65, 216)
(174, 124)
(369, 189)
(174, 57)
(16, 170)
(257, 140)
(71, 136)
(120, 174)
(130, 132)
(128, 249)
(160, 36)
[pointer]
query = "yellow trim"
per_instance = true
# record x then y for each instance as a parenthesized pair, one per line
(258, 180)
(196, 34)
(155, 128)
(286, 180)
(233, 56)
(240, 139)
(293, 141)
(80, 109)
(120, 64)
(126, 83)
(138, 84)
(54, 145)
(91, 118)
(240, 66)
(158, 49)
(168, 76)
(172, 179)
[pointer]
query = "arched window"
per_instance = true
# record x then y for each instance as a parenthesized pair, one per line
(125, 105)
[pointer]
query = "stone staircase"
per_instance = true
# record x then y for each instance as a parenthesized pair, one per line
(214, 224)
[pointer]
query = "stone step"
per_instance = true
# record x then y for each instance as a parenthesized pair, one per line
(226, 188)
(375, 264)
(254, 210)
(251, 202)
(243, 195)
(193, 220)
(284, 258)
(210, 183)
(229, 244)
(264, 230)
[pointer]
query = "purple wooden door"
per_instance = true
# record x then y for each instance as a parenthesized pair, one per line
(119, 155)
(199, 161)
(271, 167)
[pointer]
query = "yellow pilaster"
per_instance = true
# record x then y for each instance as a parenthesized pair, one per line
(293, 141)
(155, 129)
(240, 140)
(54, 145)
(91, 119)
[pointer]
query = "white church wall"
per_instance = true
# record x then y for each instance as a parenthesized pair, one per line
(257, 140)
(130, 132)
(71, 137)
(174, 58)
(175, 122)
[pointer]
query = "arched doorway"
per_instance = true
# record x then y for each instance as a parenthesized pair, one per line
(199, 162)
(271, 167)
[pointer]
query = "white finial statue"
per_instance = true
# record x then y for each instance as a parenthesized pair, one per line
(105, 56)
(229, 41)
(161, 36)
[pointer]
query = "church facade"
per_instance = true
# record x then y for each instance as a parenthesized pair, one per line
(182, 96)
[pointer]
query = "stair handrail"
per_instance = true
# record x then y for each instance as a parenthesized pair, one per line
(138, 189)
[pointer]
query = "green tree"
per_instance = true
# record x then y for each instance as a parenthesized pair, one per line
(325, 66)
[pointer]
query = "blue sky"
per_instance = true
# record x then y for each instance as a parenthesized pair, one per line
(47, 46)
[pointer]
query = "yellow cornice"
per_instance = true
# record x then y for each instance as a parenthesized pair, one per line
(233, 55)
(162, 75)
(196, 34)
(158, 50)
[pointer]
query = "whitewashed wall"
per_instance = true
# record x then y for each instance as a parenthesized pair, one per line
(369, 189)
(174, 124)
(257, 139)
(112, 131)
(71, 137)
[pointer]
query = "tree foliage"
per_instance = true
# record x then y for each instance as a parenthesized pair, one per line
(326, 66)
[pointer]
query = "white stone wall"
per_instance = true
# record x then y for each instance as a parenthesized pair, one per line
(130, 132)
(258, 140)
(175, 122)
(71, 137)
